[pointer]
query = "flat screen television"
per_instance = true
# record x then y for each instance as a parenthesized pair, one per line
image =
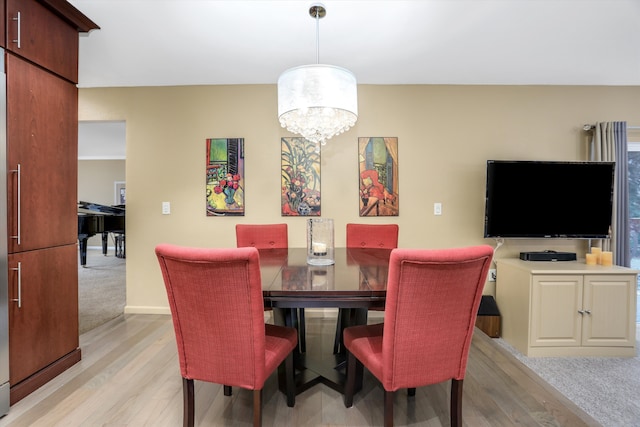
(542, 199)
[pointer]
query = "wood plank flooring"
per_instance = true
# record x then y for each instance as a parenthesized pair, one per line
(129, 376)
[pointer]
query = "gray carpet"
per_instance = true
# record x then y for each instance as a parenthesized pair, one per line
(607, 388)
(101, 289)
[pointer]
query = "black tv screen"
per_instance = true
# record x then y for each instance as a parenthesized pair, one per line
(529, 199)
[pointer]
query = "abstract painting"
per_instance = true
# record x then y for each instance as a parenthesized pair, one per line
(225, 177)
(300, 173)
(378, 176)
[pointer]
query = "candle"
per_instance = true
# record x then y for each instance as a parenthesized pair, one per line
(606, 258)
(592, 259)
(319, 249)
(596, 251)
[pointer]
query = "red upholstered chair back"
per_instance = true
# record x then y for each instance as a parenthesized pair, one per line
(372, 236)
(431, 307)
(216, 304)
(262, 236)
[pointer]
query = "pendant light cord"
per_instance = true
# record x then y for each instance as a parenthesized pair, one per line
(318, 37)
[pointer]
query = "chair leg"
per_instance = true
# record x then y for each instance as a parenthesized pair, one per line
(338, 337)
(388, 408)
(257, 408)
(188, 417)
(291, 386)
(302, 331)
(456, 403)
(351, 380)
(411, 391)
(227, 390)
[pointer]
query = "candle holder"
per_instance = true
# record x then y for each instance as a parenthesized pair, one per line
(320, 241)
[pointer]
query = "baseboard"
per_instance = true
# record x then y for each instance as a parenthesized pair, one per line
(308, 312)
(143, 309)
(37, 380)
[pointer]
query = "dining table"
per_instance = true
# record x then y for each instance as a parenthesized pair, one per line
(356, 282)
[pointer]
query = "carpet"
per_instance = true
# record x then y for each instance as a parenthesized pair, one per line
(605, 387)
(101, 289)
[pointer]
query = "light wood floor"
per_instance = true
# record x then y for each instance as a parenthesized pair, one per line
(129, 376)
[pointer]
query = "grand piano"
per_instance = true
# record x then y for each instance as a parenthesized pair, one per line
(93, 219)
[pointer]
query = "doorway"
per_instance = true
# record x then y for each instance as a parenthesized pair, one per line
(102, 181)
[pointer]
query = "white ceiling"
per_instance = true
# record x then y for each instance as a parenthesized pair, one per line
(190, 42)
(502, 42)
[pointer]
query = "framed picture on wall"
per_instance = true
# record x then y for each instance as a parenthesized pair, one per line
(225, 176)
(378, 176)
(120, 190)
(300, 178)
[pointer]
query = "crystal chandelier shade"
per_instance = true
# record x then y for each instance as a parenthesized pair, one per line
(317, 101)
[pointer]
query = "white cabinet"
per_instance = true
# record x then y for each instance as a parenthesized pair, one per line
(567, 308)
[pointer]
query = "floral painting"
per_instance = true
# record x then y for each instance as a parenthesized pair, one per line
(225, 177)
(378, 175)
(300, 174)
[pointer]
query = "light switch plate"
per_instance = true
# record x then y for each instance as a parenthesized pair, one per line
(166, 208)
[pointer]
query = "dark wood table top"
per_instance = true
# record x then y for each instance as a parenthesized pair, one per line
(356, 282)
(357, 279)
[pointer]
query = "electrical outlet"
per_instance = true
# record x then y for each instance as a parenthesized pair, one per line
(437, 208)
(492, 275)
(166, 208)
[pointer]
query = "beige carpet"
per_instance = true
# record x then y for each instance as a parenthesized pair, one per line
(101, 289)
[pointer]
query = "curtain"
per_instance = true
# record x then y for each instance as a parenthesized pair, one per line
(609, 143)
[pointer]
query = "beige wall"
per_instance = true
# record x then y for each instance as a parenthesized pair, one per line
(446, 134)
(96, 180)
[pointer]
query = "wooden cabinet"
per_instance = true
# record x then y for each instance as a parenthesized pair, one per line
(567, 308)
(38, 34)
(2, 24)
(42, 158)
(44, 313)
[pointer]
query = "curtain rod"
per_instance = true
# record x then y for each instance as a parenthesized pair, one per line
(588, 127)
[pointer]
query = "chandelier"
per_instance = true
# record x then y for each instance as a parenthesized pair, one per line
(317, 101)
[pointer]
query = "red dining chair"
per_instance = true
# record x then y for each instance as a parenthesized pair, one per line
(383, 236)
(271, 236)
(431, 307)
(262, 236)
(216, 302)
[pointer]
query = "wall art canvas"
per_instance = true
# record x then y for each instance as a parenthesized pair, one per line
(300, 172)
(378, 175)
(120, 192)
(225, 177)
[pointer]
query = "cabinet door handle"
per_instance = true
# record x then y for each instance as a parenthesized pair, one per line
(17, 18)
(587, 312)
(19, 299)
(581, 311)
(18, 213)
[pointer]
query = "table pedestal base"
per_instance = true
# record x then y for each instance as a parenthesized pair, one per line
(318, 365)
